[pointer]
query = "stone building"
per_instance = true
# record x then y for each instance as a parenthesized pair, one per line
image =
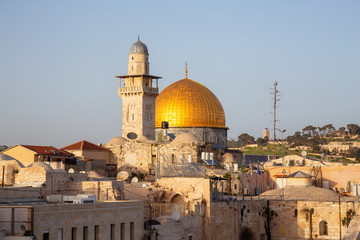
(95, 158)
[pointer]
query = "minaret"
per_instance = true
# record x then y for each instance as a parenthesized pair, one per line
(138, 93)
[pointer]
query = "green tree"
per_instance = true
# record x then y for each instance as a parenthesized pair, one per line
(246, 139)
(353, 129)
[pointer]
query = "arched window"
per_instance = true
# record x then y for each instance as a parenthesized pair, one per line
(323, 228)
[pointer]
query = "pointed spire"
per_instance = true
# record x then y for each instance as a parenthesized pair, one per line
(186, 71)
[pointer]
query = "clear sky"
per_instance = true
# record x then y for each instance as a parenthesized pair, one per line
(58, 60)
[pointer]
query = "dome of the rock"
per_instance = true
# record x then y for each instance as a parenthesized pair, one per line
(187, 103)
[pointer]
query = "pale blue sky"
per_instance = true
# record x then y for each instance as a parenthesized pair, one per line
(58, 60)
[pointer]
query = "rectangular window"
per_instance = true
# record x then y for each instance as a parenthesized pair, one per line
(60, 234)
(85, 233)
(96, 232)
(190, 237)
(46, 236)
(73, 233)
(132, 231)
(112, 231)
(122, 231)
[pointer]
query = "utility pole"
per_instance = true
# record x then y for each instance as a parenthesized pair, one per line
(275, 92)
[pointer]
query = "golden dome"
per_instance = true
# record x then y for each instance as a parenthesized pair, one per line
(187, 103)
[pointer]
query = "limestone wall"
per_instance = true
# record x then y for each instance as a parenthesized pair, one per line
(11, 168)
(181, 229)
(217, 136)
(93, 154)
(103, 190)
(56, 218)
(20, 192)
(288, 219)
(191, 189)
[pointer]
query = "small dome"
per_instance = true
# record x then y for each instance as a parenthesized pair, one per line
(139, 48)
(185, 138)
(228, 158)
(144, 139)
(46, 167)
(116, 141)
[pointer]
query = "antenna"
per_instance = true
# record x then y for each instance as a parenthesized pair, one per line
(275, 92)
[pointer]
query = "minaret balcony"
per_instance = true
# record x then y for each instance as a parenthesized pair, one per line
(138, 90)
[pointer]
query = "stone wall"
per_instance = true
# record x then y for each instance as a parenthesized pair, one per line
(217, 136)
(11, 168)
(292, 220)
(180, 229)
(103, 190)
(20, 192)
(55, 218)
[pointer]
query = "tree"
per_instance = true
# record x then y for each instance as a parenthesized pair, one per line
(329, 129)
(311, 130)
(246, 139)
(353, 129)
(261, 141)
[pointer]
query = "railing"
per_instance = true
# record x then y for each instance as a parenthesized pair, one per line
(132, 89)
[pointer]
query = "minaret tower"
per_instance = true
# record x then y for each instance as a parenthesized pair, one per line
(138, 93)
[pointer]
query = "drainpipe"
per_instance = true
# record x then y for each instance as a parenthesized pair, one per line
(339, 217)
(3, 177)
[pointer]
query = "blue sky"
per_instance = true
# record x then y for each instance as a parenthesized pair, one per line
(58, 60)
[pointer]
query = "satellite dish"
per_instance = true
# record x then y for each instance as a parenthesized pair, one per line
(132, 135)
(134, 180)
(303, 153)
(175, 216)
(71, 170)
(123, 175)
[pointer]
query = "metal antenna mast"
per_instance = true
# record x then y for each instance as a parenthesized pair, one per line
(275, 92)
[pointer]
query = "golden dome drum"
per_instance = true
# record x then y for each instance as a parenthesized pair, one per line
(187, 103)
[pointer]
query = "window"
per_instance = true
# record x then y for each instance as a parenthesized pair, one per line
(122, 231)
(190, 237)
(112, 231)
(85, 233)
(73, 233)
(96, 232)
(172, 158)
(46, 235)
(323, 228)
(132, 233)
(60, 234)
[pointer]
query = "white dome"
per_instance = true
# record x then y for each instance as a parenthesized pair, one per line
(185, 138)
(116, 141)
